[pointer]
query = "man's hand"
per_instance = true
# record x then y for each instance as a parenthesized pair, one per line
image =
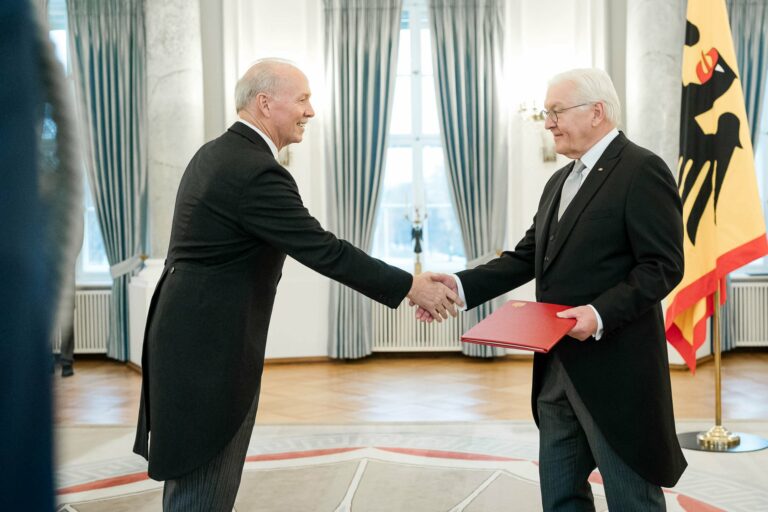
(433, 297)
(446, 280)
(586, 322)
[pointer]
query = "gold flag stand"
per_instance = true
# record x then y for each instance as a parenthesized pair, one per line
(718, 438)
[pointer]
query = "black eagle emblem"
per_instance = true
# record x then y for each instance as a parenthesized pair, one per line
(698, 148)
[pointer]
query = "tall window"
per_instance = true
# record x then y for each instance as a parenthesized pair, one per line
(415, 179)
(92, 264)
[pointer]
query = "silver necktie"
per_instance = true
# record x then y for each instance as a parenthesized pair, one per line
(570, 187)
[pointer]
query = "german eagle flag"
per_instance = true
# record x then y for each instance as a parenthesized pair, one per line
(724, 224)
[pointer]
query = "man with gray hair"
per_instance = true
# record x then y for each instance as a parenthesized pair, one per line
(238, 214)
(608, 240)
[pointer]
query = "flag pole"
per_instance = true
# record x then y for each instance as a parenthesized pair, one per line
(708, 35)
(718, 438)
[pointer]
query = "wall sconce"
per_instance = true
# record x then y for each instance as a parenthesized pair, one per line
(284, 156)
(530, 112)
(547, 147)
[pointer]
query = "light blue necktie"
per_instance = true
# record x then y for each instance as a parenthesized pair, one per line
(570, 187)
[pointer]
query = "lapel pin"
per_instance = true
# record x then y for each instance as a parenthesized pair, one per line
(599, 169)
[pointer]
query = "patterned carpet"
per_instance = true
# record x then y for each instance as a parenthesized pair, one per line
(456, 467)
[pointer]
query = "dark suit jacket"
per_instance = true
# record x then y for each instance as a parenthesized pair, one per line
(238, 213)
(619, 247)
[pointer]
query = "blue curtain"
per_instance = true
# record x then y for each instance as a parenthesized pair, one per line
(467, 37)
(108, 49)
(361, 38)
(749, 27)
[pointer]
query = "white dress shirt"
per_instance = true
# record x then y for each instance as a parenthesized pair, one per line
(589, 159)
(272, 145)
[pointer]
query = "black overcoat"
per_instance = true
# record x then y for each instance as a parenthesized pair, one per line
(238, 213)
(618, 247)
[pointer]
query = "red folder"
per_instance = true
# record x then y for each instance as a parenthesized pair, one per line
(522, 325)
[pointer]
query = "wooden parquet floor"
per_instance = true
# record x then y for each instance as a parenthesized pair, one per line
(403, 388)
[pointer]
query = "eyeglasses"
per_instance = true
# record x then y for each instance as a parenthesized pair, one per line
(552, 114)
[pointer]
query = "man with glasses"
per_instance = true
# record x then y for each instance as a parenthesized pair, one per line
(608, 240)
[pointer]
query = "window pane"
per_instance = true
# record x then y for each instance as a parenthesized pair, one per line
(59, 40)
(94, 257)
(429, 119)
(426, 52)
(405, 18)
(57, 14)
(92, 266)
(392, 232)
(404, 54)
(398, 177)
(443, 243)
(435, 177)
(392, 239)
(49, 155)
(401, 107)
(444, 250)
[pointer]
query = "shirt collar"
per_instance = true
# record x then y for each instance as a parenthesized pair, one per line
(590, 158)
(272, 146)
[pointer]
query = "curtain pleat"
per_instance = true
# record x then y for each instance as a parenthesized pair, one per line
(749, 27)
(361, 38)
(467, 37)
(107, 38)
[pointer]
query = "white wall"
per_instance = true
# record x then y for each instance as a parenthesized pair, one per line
(544, 37)
(289, 29)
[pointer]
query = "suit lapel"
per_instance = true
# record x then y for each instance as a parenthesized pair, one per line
(595, 179)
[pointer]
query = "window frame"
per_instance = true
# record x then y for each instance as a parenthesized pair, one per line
(57, 16)
(417, 142)
(759, 267)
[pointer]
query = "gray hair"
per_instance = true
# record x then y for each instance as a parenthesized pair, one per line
(592, 85)
(262, 77)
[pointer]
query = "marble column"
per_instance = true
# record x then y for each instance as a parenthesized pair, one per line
(175, 101)
(655, 36)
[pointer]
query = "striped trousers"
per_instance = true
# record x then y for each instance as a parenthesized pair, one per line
(213, 486)
(571, 446)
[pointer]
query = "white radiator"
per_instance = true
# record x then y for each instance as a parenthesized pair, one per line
(748, 312)
(397, 330)
(91, 321)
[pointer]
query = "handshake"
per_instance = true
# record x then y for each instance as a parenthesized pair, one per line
(436, 296)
